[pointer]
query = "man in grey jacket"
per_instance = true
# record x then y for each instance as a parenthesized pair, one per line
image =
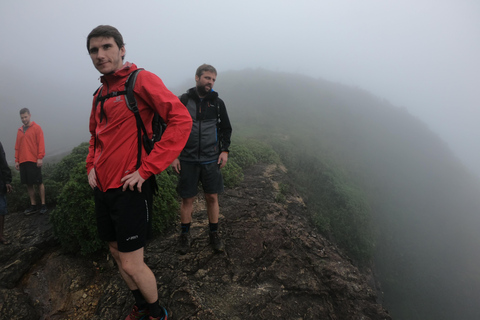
(205, 153)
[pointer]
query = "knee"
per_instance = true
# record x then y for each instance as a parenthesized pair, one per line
(131, 268)
(211, 198)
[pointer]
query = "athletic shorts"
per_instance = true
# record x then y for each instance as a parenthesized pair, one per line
(192, 173)
(30, 174)
(124, 216)
(3, 204)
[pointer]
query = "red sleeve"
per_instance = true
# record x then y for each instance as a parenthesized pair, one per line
(91, 148)
(40, 143)
(179, 123)
(17, 146)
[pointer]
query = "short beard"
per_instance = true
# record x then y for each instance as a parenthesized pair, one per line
(201, 91)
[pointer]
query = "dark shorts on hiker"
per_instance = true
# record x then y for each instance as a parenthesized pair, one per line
(192, 173)
(3, 204)
(30, 174)
(124, 217)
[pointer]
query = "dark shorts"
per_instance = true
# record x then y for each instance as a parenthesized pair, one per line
(124, 217)
(3, 204)
(192, 173)
(30, 173)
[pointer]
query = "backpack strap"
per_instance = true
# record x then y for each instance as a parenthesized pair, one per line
(132, 105)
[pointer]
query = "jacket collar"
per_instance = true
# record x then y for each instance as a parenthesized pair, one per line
(127, 68)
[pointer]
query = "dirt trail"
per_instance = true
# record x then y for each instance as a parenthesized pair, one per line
(275, 266)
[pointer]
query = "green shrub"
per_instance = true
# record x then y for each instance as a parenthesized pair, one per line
(73, 219)
(242, 156)
(339, 209)
(165, 204)
(232, 174)
(62, 170)
(261, 151)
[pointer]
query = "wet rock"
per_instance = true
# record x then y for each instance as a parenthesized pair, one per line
(275, 266)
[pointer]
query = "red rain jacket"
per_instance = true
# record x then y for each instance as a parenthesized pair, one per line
(113, 143)
(30, 145)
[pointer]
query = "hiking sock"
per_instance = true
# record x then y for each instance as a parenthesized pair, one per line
(155, 310)
(185, 227)
(213, 227)
(140, 301)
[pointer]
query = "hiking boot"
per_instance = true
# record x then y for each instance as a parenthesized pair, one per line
(137, 314)
(184, 242)
(164, 317)
(216, 242)
(31, 210)
(43, 209)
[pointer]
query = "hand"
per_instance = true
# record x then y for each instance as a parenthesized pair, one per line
(222, 159)
(39, 162)
(92, 178)
(131, 180)
(9, 188)
(176, 165)
(17, 166)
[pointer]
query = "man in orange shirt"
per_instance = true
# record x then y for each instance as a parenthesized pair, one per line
(29, 154)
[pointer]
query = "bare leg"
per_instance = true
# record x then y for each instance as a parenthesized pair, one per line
(186, 209)
(135, 272)
(31, 194)
(41, 190)
(213, 209)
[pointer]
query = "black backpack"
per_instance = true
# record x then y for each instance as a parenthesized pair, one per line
(158, 124)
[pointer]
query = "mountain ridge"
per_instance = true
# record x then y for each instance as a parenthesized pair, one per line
(276, 265)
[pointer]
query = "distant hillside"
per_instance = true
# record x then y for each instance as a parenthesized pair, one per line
(423, 202)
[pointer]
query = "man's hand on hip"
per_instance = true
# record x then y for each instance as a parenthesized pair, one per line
(132, 180)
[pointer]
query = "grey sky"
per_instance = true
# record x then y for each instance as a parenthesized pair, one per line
(422, 55)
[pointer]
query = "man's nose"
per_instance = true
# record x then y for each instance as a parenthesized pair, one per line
(101, 53)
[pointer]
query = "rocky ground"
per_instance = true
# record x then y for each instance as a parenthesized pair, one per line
(275, 266)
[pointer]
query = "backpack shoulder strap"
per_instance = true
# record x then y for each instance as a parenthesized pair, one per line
(129, 86)
(132, 105)
(184, 99)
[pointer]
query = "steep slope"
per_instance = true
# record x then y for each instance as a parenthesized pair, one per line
(276, 266)
(424, 203)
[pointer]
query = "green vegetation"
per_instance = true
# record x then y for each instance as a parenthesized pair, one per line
(73, 218)
(338, 207)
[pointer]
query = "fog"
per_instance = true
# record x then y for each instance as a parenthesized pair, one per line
(421, 55)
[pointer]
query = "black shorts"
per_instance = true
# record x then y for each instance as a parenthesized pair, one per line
(30, 174)
(191, 173)
(125, 216)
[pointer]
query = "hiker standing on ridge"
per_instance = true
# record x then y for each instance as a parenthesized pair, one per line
(204, 155)
(5, 187)
(29, 154)
(123, 193)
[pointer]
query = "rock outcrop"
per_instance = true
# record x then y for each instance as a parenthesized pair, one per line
(275, 266)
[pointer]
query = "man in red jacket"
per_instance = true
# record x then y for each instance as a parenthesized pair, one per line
(123, 196)
(29, 154)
